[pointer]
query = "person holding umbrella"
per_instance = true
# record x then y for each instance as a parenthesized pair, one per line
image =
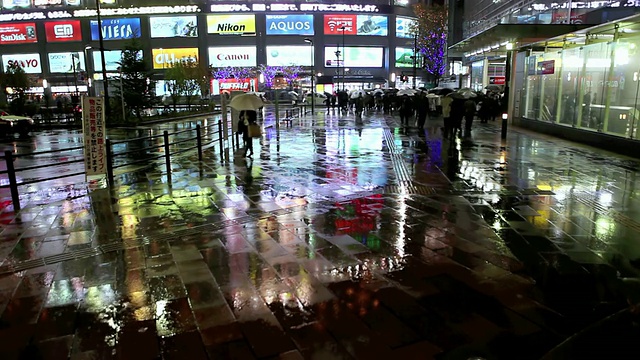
(247, 104)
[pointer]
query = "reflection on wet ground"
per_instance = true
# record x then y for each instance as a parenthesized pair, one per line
(339, 239)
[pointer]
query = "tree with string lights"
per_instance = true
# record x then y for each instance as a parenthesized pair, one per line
(431, 38)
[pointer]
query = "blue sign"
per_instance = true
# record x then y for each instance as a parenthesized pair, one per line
(289, 24)
(116, 29)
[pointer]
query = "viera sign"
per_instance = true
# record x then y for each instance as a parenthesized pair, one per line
(231, 24)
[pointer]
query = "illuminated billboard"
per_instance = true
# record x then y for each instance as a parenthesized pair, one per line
(66, 62)
(289, 55)
(165, 58)
(173, 26)
(116, 29)
(111, 59)
(404, 57)
(289, 24)
(403, 27)
(354, 57)
(233, 56)
(29, 62)
(231, 24)
(63, 31)
(19, 33)
(334, 24)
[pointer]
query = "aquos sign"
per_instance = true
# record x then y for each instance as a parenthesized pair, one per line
(29, 62)
(241, 56)
(289, 24)
(59, 31)
(18, 33)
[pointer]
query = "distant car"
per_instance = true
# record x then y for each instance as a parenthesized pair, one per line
(14, 124)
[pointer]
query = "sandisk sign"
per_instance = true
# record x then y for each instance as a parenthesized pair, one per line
(29, 62)
(18, 33)
(61, 31)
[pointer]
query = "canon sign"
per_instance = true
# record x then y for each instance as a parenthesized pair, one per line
(29, 62)
(232, 56)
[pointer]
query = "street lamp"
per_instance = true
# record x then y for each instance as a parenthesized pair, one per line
(86, 62)
(338, 71)
(107, 106)
(415, 58)
(313, 89)
(343, 28)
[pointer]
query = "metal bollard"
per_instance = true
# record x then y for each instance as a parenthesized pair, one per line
(505, 117)
(167, 155)
(109, 163)
(220, 139)
(199, 141)
(13, 184)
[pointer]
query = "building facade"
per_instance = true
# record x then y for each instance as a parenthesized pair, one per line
(569, 68)
(355, 43)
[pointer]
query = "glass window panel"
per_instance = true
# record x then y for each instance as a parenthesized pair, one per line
(622, 89)
(597, 57)
(572, 64)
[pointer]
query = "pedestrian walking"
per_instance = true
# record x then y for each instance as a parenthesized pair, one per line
(406, 110)
(469, 114)
(456, 115)
(422, 109)
(446, 116)
(247, 120)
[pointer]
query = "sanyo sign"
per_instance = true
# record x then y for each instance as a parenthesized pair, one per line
(29, 62)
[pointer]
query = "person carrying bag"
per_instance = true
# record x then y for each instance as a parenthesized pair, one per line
(249, 129)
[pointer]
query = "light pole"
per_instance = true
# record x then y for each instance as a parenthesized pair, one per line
(313, 65)
(86, 62)
(105, 82)
(415, 58)
(122, 94)
(343, 28)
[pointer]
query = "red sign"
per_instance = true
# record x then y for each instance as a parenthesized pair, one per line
(546, 67)
(18, 33)
(497, 80)
(334, 23)
(227, 85)
(58, 31)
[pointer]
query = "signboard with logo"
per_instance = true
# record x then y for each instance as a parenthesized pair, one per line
(289, 24)
(93, 129)
(165, 58)
(116, 29)
(66, 62)
(111, 59)
(231, 24)
(404, 57)
(403, 27)
(289, 55)
(20, 33)
(233, 56)
(229, 85)
(14, 4)
(354, 57)
(59, 31)
(173, 26)
(497, 80)
(29, 62)
(356, 24)
(293, 7)
(546, 67)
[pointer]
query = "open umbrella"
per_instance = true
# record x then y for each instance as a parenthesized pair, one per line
(378, 91)
(293, 93)
(246, 102)
(455, 95)
(358, 93)
(467, 93)
(409, 92)
(493, 87)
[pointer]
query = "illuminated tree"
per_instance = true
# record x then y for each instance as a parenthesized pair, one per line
(291, 73)
(19, 82)
(431, 32)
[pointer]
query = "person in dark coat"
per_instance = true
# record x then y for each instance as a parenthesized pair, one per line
(422, 109)
(247, 117)
(406, 110)
(456, 115)
(469, 114)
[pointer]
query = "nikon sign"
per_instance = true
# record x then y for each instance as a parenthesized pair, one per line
(231, 24)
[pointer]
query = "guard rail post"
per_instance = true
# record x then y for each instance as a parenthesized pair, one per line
(13, 184)
(109, 163)
(199, 141)
(167, 155)
(220, 139)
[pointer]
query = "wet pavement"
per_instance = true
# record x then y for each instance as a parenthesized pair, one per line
(340, 239)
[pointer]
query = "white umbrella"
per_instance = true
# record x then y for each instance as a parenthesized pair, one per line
(468, 94)
(246, 102)
(293, 93)
(358, 93)
(378, 91)
(409, 92)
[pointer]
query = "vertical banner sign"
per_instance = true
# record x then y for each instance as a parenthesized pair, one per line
(93, 129)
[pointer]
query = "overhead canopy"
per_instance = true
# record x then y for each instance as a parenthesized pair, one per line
(500, 34)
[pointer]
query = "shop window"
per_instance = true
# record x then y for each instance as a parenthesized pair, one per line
(592, 95)
(477, 75)
(542, 86)
(570, 77)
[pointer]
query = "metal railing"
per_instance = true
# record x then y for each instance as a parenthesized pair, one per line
(166, 145)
